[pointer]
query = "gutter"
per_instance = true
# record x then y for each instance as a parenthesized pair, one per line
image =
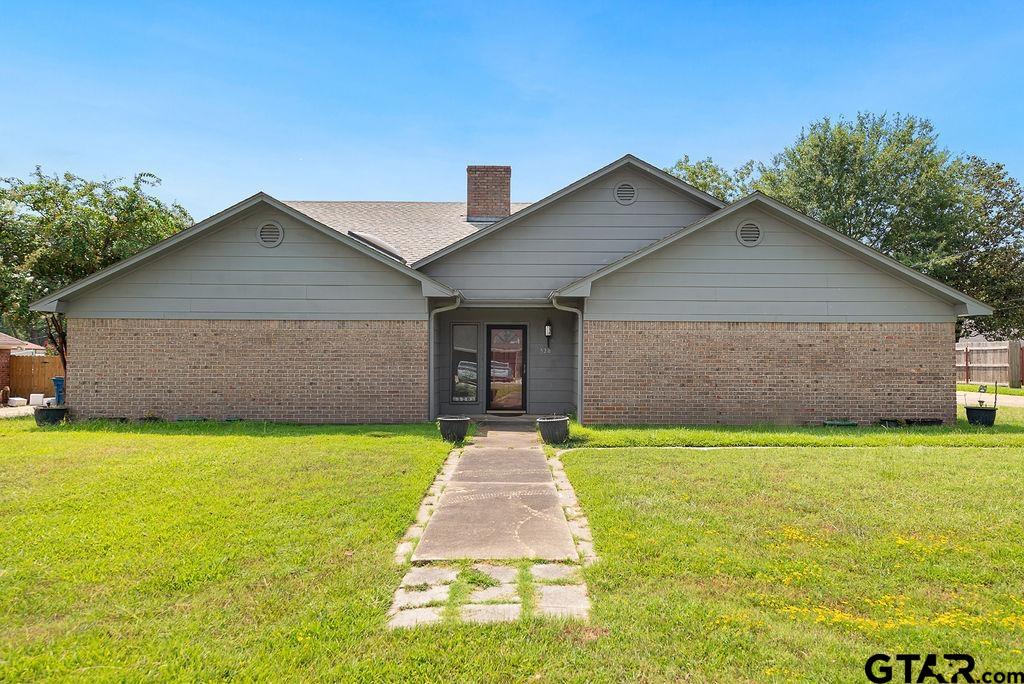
(431, 408)
(553, 297)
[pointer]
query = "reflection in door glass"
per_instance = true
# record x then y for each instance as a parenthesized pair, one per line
(464, 363)
(506, 353)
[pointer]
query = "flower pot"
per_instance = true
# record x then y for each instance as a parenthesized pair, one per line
(453, 428)
(981, 415)
(50, 415)
(554, 429)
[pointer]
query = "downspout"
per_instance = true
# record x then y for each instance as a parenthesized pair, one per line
(432, 403)
(579, 351)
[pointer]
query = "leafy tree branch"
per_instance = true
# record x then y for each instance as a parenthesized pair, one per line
(57, 229)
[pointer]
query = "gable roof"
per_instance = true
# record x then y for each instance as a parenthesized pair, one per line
(968, 306)
(627, 160)
(416, 229)
(51, 302)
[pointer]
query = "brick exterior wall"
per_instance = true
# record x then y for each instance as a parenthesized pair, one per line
(296, 371)
(791, 373)
(5, 368)
(488, 191)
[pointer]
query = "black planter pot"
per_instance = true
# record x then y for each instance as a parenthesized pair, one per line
(453, 428)
(50, 415)
(981, 415)
(554, 429)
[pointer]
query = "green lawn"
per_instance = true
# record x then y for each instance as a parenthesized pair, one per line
(202, 550)
(1008, 432)
(212, 551)
(799, 563)
(1003, 389)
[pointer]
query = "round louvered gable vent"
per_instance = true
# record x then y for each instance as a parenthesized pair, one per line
(625, 193)
(270, 234)
(749, 234)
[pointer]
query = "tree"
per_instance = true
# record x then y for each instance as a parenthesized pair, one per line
(708, 176)
(887, 182)
(57, 229)
(988, 260)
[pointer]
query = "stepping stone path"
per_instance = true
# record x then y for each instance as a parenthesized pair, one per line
(563, 600)
(501, 503)
(505, 593)
(418, 598)
(507, 612)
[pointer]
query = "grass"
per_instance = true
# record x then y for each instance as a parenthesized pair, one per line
(251, 551)
(1008, 432)
(1003, 389)
(196, 551)
(798, 563)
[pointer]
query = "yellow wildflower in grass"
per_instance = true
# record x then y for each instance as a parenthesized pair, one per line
(765, 600)
(843, 617)
(928, 545)
(794, 535)
(888, 601)
(783, 672)
(793, 576)
(958, 619)
(1012, 621)
(744, 620)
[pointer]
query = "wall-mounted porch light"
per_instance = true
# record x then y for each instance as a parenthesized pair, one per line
(548, 332)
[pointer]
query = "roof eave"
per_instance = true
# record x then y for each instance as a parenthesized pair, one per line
(965, 305)
(503, 303)
(969, 305)
(54, 302)
(974, 308)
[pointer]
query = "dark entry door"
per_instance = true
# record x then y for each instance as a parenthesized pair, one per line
(506, 367)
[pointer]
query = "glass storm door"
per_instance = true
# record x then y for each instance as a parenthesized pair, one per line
(506, 368)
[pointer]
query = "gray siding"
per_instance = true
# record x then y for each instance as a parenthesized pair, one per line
(571, 238)
(791, 276)
(550, 376)
(226, 274)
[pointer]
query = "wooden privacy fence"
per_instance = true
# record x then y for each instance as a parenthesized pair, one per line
(989, 362)
(34, 375)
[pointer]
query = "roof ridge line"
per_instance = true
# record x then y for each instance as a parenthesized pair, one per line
(288, 201)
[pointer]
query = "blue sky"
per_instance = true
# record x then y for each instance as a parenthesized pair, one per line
(365, 101)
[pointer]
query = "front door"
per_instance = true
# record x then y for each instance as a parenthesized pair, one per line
(506, 368)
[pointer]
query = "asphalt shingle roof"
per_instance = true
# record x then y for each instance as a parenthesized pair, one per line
(416, 229)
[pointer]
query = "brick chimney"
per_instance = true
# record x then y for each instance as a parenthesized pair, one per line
(488, 193)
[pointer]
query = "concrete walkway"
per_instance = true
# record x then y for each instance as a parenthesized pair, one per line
(16, 411)
(500, 503)
(971, 399)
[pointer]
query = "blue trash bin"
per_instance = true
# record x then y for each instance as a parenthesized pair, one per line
(58, 391)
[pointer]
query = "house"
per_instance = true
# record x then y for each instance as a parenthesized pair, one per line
(12, 345)
(627, 297)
